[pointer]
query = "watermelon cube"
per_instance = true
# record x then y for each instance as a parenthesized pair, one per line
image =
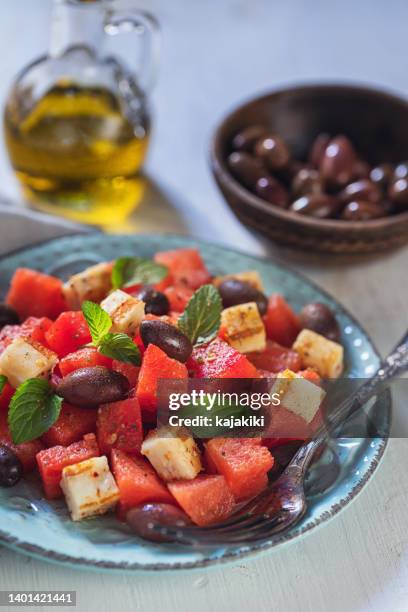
(5, 397)
(285, 424)
(209, 466)
(178, 296)
(156, 365)
(72, 424)
(281, 322)
(33, 328)
(83, 358)
(33, 294)
(127, 369)
(68, 333)
(137, 481)
(186, 267)
(275, 358)
(7, 335)
(219, 360)
(26, 452)
(207, 499)
(52, 461)
(119, 425)
(311, 375)
(243, 462)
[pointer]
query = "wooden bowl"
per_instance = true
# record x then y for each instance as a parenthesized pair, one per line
(375, 121)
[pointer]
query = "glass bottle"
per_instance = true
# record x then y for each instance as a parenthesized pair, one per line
(76, 121)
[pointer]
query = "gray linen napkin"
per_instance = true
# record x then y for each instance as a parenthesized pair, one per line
(21, 227)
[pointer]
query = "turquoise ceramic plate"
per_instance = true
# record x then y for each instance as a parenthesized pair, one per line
(32, 525)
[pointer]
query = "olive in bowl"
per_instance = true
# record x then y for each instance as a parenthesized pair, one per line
(335, 185)
(335, 137)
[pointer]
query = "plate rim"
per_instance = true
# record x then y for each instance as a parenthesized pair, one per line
(250, 551)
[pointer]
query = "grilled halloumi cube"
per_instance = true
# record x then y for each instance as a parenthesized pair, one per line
(251, 277)
(320, 353)
(173, 453)
(125, 311)
(92, 284)
(89, 488)
(24, 359)
(243, 327)
(298, 394)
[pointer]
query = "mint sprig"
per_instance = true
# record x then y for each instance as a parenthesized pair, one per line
(34, 408)
(3, 381)
(116, 346)
(201, 319)
(120, 347)
(99, 322)
(128, 271)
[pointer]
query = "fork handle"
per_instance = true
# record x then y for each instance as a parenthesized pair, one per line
(393, 365)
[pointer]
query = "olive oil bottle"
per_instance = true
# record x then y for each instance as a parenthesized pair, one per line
(76, 122)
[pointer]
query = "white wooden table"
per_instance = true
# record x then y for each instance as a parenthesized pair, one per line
(216, 53)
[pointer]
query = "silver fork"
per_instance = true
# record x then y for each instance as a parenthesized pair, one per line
(283, 503)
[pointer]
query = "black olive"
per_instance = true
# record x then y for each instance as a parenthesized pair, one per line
(382, 175)
(247, 138)
(401, 171)
(8, 316)
(11, 469)
(234, 291)
(361, 170)
(306, 182)
(142, 518)
(318, 149)
(90, 387)
(155, 301)
(272, 191)
(283, 453)
(318, 205)
(320, 319)
(362, 210)
(364, 189)
(246, 168)
(398, 193)
(167, 337)
(273, 151)
(337, 164)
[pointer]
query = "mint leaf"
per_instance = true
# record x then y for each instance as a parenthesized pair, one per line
(120, 347)
(3, 381)
(129, 271)
(120, 271)
(34, 408)
(116, 346)
(201, 319)
(99, 322)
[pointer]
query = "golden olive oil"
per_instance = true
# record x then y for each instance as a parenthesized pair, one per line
(76, 153)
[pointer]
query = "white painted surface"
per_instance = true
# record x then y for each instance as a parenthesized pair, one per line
(216, 53)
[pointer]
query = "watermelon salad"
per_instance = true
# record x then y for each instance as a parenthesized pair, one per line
(80, 364)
